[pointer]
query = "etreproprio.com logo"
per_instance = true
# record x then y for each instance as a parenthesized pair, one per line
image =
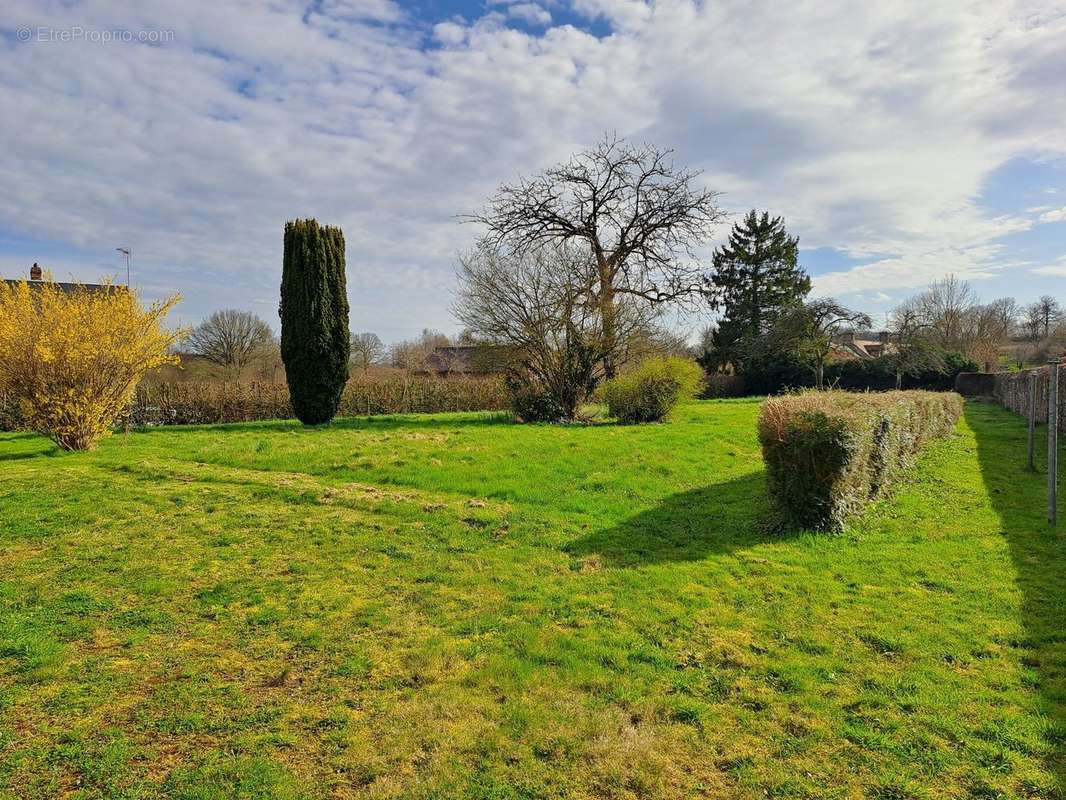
(78, 33)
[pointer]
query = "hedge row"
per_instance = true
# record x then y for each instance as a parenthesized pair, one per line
(784, 372)
(829, 453)
(212, 403)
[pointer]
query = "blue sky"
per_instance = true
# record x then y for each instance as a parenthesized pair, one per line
(528, 17)
(901, 141)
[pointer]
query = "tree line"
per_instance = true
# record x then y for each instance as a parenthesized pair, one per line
(576, 267)
(580, 261)
(571, 277)
(241, 345)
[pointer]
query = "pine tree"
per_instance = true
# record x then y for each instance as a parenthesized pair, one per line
(315, 344)
(754, 279)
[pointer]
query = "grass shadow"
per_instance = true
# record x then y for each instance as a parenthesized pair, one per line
(17, 436)
(384, 422)
(1039, 555)
(25, 446)
(55, 451)
(688, 526)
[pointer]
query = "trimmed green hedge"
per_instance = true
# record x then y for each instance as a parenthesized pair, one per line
(829, 453)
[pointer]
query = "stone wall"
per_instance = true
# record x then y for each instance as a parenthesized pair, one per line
(1012, 391)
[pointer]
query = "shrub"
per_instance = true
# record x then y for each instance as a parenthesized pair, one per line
(829, 453)
(650, 392)
(531, 401)
(10, 417)
(70, 362)
(877, 374)
(770, 371)
(315, 344)
(720, 384)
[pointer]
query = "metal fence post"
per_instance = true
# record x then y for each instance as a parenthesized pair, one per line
(1053, 441)
(1032, 420)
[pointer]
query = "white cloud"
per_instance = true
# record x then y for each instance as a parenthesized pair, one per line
(1055, 215)
(531, 13)
(450, 33)
(872, 128)
(624, 14)
(912, 271)
(1056, 269)
(374, 10)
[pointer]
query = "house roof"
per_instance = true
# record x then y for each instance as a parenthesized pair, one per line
(67, 288)
(848, 348)
(474, 358)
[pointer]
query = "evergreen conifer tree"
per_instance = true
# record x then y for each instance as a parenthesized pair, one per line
(754, 279)
(315, 344)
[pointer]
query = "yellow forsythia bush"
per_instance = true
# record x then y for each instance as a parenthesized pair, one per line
(72, 360)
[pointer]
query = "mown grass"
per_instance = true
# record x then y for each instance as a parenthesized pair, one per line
(455, 606)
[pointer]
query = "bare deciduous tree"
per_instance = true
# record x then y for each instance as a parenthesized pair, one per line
(914, 350)
(1032, 322)
(410, 354)
(809, 330)
(953, 320)
(988, 328)
(536, 304)
(1008, 312)
(944, 307)
(638, 216)
(367, 350)
(656, 341)
(1049, 312)
(231, 338)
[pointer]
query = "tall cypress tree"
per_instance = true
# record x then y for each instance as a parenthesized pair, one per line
(754, 278)
(315, 345)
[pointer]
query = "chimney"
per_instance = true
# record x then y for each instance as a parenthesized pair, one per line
(35, 272)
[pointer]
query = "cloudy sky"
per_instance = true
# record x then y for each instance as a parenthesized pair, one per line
(901, 140)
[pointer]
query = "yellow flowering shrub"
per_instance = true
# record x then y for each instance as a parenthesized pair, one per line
(72, 361)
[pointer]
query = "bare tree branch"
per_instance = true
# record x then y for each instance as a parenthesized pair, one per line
(638, 216)
(231, 338)
(367, 350)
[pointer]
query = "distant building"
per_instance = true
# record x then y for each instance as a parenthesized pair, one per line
(473, 359)
(37, 281)
(856, 347)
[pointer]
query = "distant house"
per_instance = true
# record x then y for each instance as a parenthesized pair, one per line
(473, 359)
(37, 282)
(856, 347)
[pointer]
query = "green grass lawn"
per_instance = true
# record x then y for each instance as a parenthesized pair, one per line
(456, 606)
